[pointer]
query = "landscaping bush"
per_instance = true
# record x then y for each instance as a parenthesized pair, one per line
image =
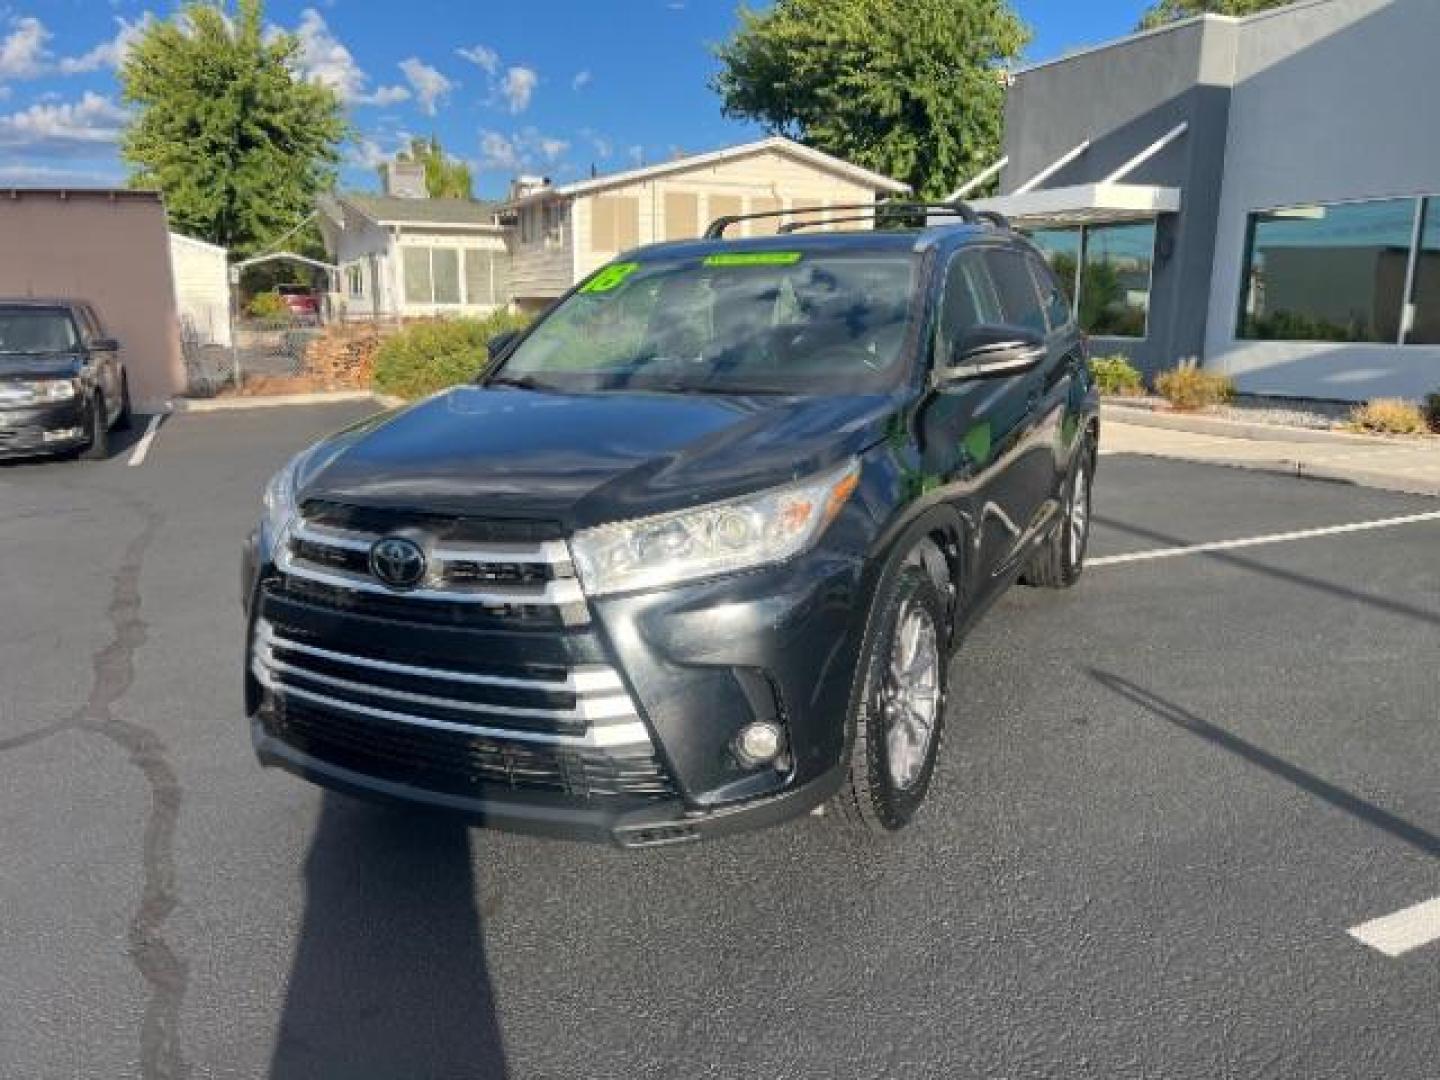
(428, 356)
(1432, 411)
(1389, 416)
(267, 306)
(1115, 375)
(1188, 388)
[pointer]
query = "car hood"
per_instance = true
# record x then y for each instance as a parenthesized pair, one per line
(581, 459)
(15, 367)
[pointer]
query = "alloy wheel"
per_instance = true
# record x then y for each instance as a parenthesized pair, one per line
(911, 695)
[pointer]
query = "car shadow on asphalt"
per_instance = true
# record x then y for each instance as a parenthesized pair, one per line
(121, 443)
(1420, 839)
(390, 977)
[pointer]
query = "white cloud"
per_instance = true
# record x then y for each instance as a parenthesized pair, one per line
(602, 146)
(323, 58)
(518, 87)
(483, 57)
(430, 85)
(23, 54)
(581, 80)
(525, 150)
(112, 53)
(53, 177)
(65, 128)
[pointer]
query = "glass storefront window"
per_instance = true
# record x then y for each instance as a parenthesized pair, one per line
(1115, 283)
(1425, 330)
(1328, 273)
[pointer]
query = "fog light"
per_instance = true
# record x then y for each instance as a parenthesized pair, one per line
(62, 434)
(758, 744)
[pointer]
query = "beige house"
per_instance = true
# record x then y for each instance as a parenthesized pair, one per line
(559, 234)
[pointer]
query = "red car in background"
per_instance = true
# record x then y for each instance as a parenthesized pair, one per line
(301, 301)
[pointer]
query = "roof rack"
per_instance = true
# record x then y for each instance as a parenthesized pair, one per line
(960, 209)
(995, 218)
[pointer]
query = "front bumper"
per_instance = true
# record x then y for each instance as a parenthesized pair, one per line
(42, 429)
(699, 663)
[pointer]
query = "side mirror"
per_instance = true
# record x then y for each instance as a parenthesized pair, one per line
(988, 351)
(498, 344)
(105, 344)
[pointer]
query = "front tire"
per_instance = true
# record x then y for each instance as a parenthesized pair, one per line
(126, 418)
(1060, 561)
(98, 448)
(899, 713)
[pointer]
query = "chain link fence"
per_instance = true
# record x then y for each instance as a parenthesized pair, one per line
(258, 349)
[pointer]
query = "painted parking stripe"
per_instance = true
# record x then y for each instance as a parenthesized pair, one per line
(1260, 541)
(142, 448)
(1398, 934)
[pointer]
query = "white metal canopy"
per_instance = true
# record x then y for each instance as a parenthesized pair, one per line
(1084, 204)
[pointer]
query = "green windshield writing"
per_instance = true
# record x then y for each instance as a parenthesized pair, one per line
(611, 277)
(754, 258)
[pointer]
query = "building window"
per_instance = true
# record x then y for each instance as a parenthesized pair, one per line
(1061, 248)
(486, 277)
(614, 223)
(554, 224)
(1425, 323)
(1106, 272)
(1328, 273)
(355, 280)
(765, 204)
(1115, 281)
(682, 215)
(432, 275)
(728, 206)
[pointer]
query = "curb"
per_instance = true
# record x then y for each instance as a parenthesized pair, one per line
(226, 404)
(1292, 469)
(1140, 416)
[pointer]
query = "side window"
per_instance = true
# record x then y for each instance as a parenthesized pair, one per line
(969, 300)
(89, 327)
(1018, 295)
(1057, 304)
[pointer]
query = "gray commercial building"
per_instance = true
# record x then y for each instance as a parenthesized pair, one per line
(1259, 193)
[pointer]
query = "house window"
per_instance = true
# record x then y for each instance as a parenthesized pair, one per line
(554, 222)
(765, 204)
(682, 215)
(1328, 273)
(614, 223)
(728, 206)
(355, 281)
(432, 275)
(486, 277)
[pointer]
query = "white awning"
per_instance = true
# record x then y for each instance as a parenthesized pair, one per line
(1084, 204)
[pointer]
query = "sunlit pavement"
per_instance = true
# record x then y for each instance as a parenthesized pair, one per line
(1166, 799)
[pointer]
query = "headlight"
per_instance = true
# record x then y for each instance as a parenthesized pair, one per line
(739, 534)
(279, 497)
(49, 389)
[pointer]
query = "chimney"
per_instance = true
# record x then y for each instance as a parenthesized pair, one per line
(524, 186)
(405, 180)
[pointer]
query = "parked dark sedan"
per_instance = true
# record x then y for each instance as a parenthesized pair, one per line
(62, 385)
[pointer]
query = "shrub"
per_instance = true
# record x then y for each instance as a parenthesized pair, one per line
(1432, 411)
(267, 306)
(1188, 388)
(1388, 416)
(428, 356)
(1116, 375)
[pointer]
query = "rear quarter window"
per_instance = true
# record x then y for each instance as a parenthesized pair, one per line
(1018, 296)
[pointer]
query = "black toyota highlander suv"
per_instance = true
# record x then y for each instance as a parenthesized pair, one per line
(693, 552)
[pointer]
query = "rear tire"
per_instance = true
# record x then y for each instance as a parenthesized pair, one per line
(98, 448)
(899, 712)
(1060, 561)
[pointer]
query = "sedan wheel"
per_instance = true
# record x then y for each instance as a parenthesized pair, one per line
(911, 695)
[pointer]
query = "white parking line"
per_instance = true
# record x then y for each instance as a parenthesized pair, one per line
(142, 448)
(1395, 935)
(1258, 541)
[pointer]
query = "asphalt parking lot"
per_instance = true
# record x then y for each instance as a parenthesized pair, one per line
(1165, 798)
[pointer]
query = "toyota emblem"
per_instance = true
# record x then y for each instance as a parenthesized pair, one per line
(398, 562)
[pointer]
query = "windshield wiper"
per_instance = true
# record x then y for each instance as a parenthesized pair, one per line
(522, 382)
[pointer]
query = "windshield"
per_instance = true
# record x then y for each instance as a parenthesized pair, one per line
(36, 330)
(730, 322)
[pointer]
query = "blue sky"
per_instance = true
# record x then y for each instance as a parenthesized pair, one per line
(554, 88)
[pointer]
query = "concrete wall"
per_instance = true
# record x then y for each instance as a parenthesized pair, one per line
(1332, 102)
(113, 249)
(1123, 98)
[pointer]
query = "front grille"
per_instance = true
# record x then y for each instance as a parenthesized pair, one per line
(465, 764)
(486, 673)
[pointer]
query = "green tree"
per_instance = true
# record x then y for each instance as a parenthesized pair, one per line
(913, 89)
(1168, 11)
(445, 177)
(225, 126)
